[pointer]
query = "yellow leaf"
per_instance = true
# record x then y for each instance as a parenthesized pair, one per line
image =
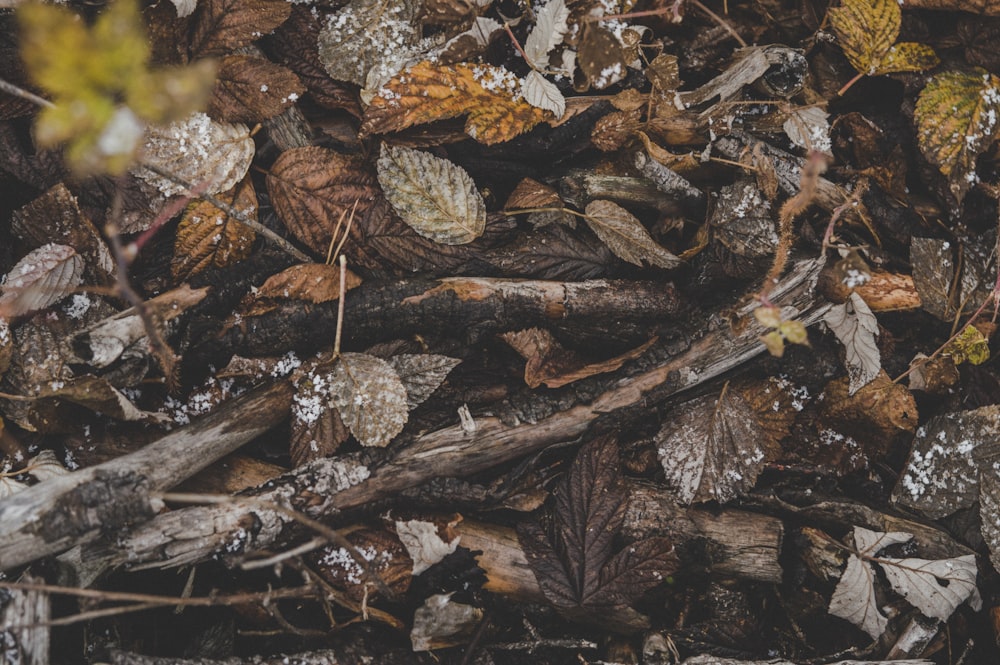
(970, 346)
(489, 96)
(794, 332)
(774, 342)
(867, 31)
(957, 119)
(768, 316)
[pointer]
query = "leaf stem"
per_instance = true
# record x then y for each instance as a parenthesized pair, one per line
(847, 86)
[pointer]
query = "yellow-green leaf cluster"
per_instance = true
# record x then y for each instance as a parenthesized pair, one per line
(958, 116)
(781, 331)
(867, 31)
(969, 346)
(100, 83)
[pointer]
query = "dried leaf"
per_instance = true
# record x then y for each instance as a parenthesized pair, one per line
(424, 542)
(317, 429)
(854, 598)
(989, 506)
(207, 236)
(543, 93)
(942, 473)
(550, 26)
(211, 155)
(554, 366)
(435, 197)
(383, 554)
(369, 40)
(250, 89)
(312, 188)
(44, 465)
(530, 193)
(957, 120)
(809, 128)
(856, 327)
(43, 277)
(96, 394)
(867, 31)
(714, 448)
(55, 216)
(6, 350)
(421, 374)
(490, 96)
(934, 272)
(575, 568)
(442, 622)
(601, 56)
(220, 26)
(370, 397)
(625, 236)
(311, 282)
(557, 252)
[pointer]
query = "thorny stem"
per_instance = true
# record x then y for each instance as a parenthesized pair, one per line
(283, 244)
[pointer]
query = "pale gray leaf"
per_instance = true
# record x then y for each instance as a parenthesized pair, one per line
(184, 7)
(10, 486)
(370, 398)
(421, 374)
(435, 197)
(543, 93)
(43, 277)
(423, 543)
(550, 26)
(942, 473)
(989, 506)
(809, 128)
(711, 450)
(936, 588)
(870, 543)
(369, 40)
(855, 326)
(854, 598)
(44, 465)
(625, 236)
(211, 156)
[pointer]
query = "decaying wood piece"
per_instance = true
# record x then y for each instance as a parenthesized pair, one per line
(68, 510)
(23, 618)
(324, 487)
(580, 187)
(476, 305)
(883, 292)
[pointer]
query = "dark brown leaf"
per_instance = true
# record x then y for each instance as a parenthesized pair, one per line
(294, 46)
(313, 188)
(635, 570)
(317, 438)
(383, 554)
(421, 374)
(220, 26)
(250, 89)
(601, 57)
(547, 566)
(312, 282)
(530, 193)
(555, 252)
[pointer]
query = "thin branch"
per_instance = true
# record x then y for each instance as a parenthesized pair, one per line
(18, 91)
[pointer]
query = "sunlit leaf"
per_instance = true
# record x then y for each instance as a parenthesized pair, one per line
(867, 31)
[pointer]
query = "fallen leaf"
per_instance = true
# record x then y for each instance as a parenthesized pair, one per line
(957, 120)
(550, 27)
(251, 89)
(490, 97)
(434, 196)
(44, 276)
(556, 252)
(713, 448)
(310, 282)
(442, 622)
(935, 270)
(421, 374)
(550, 364)
(317, 430)
(577, 567)
(425, 542)
(97, 394)
(383, 554)
(220, 26)
(369, 39)
(867, 31)
(370, 397)
(543, 93)
(529, 193)
(207, 236)
(313, 188)
(601, 56)
(942, 474)
(856, 327)
(625, 236)
(969, 346)
(209, 155)
(809, 128)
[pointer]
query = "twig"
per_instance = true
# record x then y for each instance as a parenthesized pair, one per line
(18, 91)
(721, 21)
(340, 306)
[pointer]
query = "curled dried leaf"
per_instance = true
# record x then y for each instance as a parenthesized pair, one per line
(220, 26)
(626, 236)
(43, 277)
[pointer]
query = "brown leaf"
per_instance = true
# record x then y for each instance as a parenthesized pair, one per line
(221, 26)
(370, 397)
(635, 570)
(551, 364)
(96, 394)
(615, 129)
(601, 57)
(934, 275)
(312, 188)
(383, 554)
(43, 277)
(317, 429)
(6, 349)
(714, 448)
(556, 252)
(207, 236)
(294, 45)
(311, 282)
(625, 236)
(426, 92)
(983, 7)
(250, 89)
(55, 216)
(421, 374)
(530, 193)
(874, 415)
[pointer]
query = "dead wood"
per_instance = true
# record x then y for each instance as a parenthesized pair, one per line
(325, 487)
(69, 510)
(23, 617)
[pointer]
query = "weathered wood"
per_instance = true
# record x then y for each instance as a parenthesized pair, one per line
(324, 487)
(64, 511)
(23, 618)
